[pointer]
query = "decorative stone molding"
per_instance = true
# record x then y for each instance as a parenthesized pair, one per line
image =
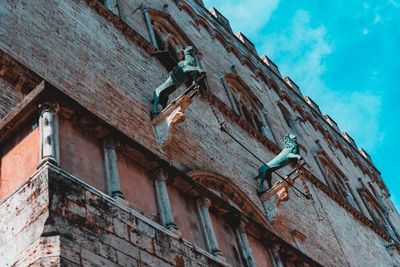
(168, 118)
(17, 75)
(221, 183)
(48, 129)
(272, 199)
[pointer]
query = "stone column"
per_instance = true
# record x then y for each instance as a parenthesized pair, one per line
(48, 129)
(163, 203)
(112, 5)
(276, 258)
(244, 244)
(203, 205)
(111, 164)
(147, 19)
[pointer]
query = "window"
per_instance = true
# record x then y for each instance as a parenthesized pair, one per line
(171, 39)
(289, 118)
(335, 179)
(377, 213)
(246, 104)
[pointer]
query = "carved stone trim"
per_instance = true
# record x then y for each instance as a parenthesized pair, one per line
(272, 199)
(173, 114)
(224, 184)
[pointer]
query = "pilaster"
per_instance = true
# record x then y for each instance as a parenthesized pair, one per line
(48, 131)
(203, 205)
(244, 244)
(110, 158)
(163, 203)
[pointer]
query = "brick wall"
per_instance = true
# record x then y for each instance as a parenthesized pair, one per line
(8, 98)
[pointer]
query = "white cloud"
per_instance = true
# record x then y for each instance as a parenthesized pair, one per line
(365, 31)
(247, 16)
(377, 19)
(300, 51)
(395, 3)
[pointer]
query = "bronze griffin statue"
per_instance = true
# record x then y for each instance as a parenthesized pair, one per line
(289, 154)
(187, 70)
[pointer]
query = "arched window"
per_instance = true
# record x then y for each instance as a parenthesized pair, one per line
(377, 213)
(171, 39)
(246, 104)
(226, 223)
(289, 118)
(335, 179)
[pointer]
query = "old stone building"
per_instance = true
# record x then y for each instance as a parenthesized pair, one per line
(88, 177)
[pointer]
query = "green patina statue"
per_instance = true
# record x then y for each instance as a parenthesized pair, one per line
(187, 70)
(289, 154)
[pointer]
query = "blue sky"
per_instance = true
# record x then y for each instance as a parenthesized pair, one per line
(345, 55)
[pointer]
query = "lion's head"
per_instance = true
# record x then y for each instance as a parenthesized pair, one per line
(290, 141)
(189, 50)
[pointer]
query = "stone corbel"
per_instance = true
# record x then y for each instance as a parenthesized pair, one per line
(273, 198)
(173, 114)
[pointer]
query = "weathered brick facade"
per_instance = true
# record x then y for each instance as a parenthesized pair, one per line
(86, 181)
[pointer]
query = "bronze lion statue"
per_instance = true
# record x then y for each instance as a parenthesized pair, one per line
(187, 70)
(289, 154)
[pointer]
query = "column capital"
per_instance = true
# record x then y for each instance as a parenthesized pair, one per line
(205, 202)
(242, 225)
(109, 143)
(160, 175)
(144, 8)
(275, 250)
(49, 106)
